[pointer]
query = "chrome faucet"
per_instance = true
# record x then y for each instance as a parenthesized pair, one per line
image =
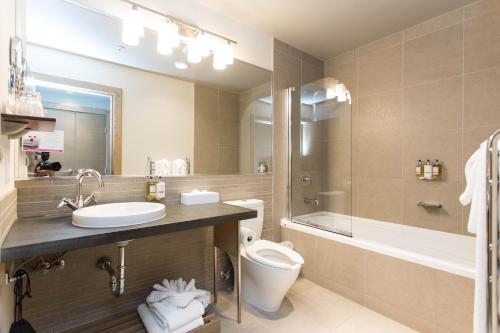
(80, 201)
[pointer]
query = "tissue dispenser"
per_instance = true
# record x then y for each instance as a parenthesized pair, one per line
(199, 197)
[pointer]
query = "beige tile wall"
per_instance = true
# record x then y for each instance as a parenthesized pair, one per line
(80, 293)
(292, 68)
(425, 299)
(216, 131)
(430, 91)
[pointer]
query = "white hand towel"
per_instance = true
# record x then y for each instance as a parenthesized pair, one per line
(153, 327)
(172, 317)
(475, 194)
(179, 167)
(163, 167)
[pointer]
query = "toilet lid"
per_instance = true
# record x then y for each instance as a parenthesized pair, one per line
(273, 254)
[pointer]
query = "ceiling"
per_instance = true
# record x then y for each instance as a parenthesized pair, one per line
(325, 28)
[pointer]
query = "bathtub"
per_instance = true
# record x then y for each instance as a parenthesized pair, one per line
(443, 251)
(419, 277)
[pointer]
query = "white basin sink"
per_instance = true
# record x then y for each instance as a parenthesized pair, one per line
(118, 214)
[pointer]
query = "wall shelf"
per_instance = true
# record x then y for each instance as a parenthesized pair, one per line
(15, 126)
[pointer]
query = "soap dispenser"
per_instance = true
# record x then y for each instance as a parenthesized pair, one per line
(428, 170)
(437, 169)
(419, 169)
(151, 193)
(160, 189)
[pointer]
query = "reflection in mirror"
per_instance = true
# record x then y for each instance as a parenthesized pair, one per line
(119, 106)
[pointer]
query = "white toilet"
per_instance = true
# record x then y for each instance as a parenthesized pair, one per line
(268, 269)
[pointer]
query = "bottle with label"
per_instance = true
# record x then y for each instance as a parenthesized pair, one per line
(437, 169)
(428, 170)
(419, 169)
(160, 189)
(151, 194)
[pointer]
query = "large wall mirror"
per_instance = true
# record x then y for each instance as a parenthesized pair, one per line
(121, 106)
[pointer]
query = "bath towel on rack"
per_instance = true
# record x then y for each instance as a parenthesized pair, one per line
(475, 194)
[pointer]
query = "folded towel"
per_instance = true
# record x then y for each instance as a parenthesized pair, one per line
(179, 167)
(153, 327)
(172, 317)
(163, 167)
(179, 299)
(178, 292)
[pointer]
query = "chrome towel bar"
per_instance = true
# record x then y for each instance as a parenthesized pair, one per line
(429, 204)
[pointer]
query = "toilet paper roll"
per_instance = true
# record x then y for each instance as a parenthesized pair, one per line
(247, 236)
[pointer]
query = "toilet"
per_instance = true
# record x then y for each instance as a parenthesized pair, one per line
(268, 269)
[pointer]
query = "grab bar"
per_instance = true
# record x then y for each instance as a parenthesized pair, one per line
(492, 183)
(429, 204)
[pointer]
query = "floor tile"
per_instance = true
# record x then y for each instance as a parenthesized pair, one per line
(307, 308)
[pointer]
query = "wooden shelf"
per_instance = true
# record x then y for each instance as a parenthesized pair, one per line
(15, 126)
(130, 322)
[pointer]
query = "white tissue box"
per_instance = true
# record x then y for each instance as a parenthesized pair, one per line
(199, 197)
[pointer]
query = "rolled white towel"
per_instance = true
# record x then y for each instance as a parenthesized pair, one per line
(153, 327)
(169, 316)
(180, 299)
(178, 292)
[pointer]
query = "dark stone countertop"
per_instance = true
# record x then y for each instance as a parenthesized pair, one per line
(44, 235)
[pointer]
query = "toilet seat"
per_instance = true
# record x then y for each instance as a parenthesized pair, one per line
(273, 255)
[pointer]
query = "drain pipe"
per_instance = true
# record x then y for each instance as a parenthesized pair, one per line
(116, 282)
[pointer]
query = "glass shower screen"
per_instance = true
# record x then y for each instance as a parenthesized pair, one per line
(320, 193)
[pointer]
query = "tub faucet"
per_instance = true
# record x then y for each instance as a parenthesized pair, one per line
(80, 201)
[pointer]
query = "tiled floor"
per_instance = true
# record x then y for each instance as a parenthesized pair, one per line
(307, 308)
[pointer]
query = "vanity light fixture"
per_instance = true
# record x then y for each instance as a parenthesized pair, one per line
(133, 27)
(194, 54)
(203, 44)
(219, 58)
(168, 38)
(200, 42)
(229, 54)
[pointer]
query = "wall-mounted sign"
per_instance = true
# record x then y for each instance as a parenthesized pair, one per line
(38, 141)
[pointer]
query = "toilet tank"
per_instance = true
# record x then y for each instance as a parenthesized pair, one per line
(253, 224)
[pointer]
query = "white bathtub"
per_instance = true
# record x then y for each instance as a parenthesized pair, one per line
(439, 250)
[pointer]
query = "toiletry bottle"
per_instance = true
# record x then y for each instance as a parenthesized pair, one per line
(437, 169)
(428, 170)
(160, 189)
(419, 169)
(151, 189)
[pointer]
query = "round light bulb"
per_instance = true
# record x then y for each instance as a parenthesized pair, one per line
(203, 44)
(133, 27)
(219, 58)
(180, 65)
(228, 54)
(193, 55)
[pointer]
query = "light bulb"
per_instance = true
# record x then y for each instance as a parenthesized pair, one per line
(168, 38)
(193, 55)
(228, 54)
(203, 44)
(340, 92)
(330, 93)
(133, 27)
(219, 58)
(180, 65)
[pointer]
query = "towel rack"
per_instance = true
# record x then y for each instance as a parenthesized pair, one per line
(492, 182)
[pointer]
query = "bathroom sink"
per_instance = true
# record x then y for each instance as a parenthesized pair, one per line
(118, 214)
